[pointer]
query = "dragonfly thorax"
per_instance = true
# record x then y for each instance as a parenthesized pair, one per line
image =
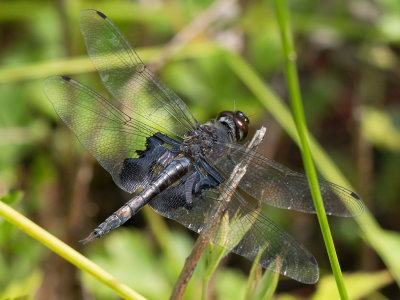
(201, 142)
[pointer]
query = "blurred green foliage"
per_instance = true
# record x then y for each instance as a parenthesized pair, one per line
(348, 59)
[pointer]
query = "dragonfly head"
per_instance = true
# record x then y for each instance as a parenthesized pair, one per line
(236, 122)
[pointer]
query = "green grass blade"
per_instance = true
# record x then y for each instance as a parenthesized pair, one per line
(299, 119)
(266, 287)
(66, 251)
(82, 64)
(261, 287)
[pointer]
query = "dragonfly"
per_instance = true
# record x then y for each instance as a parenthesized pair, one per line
(155, 149)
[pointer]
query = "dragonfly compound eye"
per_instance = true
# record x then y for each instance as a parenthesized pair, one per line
(241, 125)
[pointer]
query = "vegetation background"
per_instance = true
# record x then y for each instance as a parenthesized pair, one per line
(215, 55)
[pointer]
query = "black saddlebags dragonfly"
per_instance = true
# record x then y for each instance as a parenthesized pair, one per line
(152, 145)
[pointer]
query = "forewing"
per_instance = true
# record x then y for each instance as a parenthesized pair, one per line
(247, 232)
(279, 186)
(107, 131)
(129, 80)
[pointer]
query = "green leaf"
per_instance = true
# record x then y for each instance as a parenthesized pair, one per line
(267, 285)
(377, 125)
(140, 269)
(20, 289)
(229, 285)
(264, 287)
(359, 285)
(12, 198)
(225, 234)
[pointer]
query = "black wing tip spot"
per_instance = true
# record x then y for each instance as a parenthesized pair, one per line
(101, 14)
(354, 195)
(66, 78)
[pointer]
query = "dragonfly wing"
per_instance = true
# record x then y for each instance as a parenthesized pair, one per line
(276, 185)
(106, 130)
(129, 80)
(247, 231)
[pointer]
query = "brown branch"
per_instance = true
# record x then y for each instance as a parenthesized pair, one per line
(226, 194)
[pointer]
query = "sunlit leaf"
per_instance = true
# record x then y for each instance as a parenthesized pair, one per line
(379, 128)
(261, 288)
(359, 285)
(12, 198)
(18, 289)
(127, 256)
(229, 285)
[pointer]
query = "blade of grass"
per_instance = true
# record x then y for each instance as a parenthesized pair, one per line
(289, 54)
(252, 280)
(66, 252)
(213, 255)
(372, 232)
(266, 287)
(82, 64)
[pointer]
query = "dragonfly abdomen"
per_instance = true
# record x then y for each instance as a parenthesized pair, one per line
(173, 172)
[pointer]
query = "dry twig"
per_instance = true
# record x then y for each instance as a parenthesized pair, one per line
(226, 194)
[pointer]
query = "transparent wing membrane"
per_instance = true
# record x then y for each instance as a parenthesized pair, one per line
(276, 185)
(244, 231)
(129, 80)
(108, 131)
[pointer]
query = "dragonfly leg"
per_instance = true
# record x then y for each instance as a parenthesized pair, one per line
(211, 171)
(189, 189)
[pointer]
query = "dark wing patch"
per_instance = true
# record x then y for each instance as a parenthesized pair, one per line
(138, 172)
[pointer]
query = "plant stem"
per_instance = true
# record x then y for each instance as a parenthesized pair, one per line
(226, 193)
(204, 287)
(299, 119)
(66, 251)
